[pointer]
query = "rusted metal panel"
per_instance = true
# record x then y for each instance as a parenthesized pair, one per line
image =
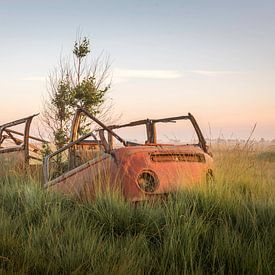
(171, 175)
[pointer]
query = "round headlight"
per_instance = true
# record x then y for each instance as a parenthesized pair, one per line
(147, 181)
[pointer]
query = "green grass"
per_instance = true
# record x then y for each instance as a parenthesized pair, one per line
(224, 227)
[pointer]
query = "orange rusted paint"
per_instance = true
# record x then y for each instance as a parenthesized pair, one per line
(138, 171)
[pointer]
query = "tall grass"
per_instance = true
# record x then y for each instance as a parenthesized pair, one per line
(227, 226)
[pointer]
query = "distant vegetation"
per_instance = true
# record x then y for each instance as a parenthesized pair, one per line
(223, 227)
(268, 156)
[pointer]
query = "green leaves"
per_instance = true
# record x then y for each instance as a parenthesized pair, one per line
(82, 48)
(62, 100)
(87, 95)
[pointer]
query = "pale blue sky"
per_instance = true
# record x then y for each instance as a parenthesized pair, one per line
(214, 59)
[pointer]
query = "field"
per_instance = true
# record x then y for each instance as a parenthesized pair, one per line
(227, 226)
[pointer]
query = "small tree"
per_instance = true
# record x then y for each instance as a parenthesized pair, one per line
(81, 83)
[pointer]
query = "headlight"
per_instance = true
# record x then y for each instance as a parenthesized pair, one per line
(147, 181)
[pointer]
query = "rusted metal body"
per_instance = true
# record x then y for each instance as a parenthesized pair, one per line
(138, 171)
(19, 148)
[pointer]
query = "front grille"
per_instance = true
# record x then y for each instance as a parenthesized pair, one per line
(185, 157)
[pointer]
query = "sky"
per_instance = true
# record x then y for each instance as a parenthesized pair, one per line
(215, 59)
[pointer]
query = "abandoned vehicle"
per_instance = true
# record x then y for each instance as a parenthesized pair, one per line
(18, 148)
(139, 171)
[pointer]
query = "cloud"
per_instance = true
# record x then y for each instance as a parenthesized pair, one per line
(121, 75)
(212, 73)
(152, 74)
(32, 78)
